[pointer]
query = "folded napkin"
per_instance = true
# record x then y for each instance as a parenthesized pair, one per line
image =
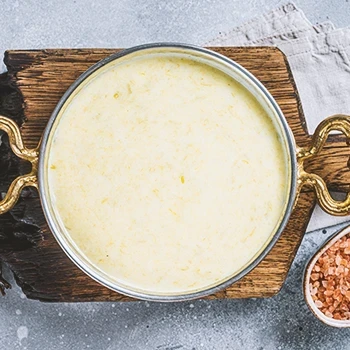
(319, 56)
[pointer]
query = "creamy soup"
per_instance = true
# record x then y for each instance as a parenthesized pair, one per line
(167, 174)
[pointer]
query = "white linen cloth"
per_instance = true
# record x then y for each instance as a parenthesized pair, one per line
(319, 56)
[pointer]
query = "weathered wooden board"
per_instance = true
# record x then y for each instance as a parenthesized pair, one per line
(28, 93)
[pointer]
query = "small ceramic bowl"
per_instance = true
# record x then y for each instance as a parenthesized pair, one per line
(306, 283)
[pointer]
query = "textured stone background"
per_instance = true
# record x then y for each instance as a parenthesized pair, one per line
(282, 322)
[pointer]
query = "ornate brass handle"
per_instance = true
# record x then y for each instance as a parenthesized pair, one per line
(327, 203)
(32, 155)
(338, 122)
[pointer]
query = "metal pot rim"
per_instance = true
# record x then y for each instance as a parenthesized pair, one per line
(179, 297)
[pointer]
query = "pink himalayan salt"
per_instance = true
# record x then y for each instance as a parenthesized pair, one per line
(330, 281)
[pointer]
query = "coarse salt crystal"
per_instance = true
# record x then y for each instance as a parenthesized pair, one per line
(343, 289)
(337, 316)
(315, 276)
(338, 260)
(344, 307)
(329, 300)
(318, 304)
(328, 314)
(339, 270)
(336, 293)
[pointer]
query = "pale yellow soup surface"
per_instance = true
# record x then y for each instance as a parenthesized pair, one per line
(167, 174)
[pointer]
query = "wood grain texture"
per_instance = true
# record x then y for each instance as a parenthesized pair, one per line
(29, 92)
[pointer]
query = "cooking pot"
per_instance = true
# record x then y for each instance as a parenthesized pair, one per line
(298, 177)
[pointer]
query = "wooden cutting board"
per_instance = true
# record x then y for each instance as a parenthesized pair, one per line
(29, 92)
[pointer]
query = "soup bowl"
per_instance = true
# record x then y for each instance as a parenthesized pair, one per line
(180, 56)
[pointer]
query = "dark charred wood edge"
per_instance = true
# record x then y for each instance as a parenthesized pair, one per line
(17, 229)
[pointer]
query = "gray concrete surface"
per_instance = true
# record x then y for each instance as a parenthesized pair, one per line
(282, 322)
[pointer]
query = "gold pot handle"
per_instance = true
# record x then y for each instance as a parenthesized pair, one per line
(337, 122)
(32, 155)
